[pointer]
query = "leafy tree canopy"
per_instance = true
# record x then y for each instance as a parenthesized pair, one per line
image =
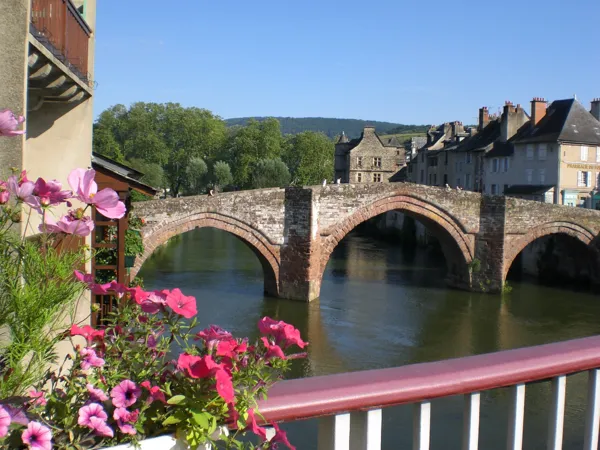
(270, 173)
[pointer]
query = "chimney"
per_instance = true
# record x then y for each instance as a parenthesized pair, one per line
(484, 118)
(512, 119)
(596, 108)
(368, 131)
(538, 110)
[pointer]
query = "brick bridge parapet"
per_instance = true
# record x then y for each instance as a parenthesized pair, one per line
(294, 230)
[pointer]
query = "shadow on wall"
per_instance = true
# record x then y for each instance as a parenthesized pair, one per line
(42, 119)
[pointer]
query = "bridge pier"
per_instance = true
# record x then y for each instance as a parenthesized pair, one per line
(300, 267)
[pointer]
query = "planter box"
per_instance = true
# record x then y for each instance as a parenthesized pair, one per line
(167, 443)
(129, 261)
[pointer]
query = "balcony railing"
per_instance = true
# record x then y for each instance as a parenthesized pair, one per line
(357, 398)
(58, 25)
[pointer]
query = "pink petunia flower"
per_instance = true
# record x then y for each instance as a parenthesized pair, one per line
(273, 350)
(38, 397)
(87, 412)
(37, 436)
(205, 367)
(253, 425)
(101, 428)
(155, 393)
(284, 333)
(4, 194)
(125, 419)
(181, 304)
(5, 421)
(281, 436)
(72, 223)
(85, 189)
(154, 302)
(230, 348)
(212, 336)
(125, 394)
(90, 359)
(90, 334)
(96, 394)
(9, 123)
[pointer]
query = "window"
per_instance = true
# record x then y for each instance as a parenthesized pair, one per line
(445, 179)
(584, 179)
(505, 188)
(505, 164)
(584, 153)
(597, 154)
(435, 179)
(495, 165)
(422, 176)
(410, 170)
(359, 161)
(494, 189)
(542, 152)
(446, 158)
(359, 177)
(468, 158)
(422, 156)
(377, 162)
(542, 176)
(529, 152)
(377, 177)
(460, 166)
(529, 175)
(457, 182)
(468, 181)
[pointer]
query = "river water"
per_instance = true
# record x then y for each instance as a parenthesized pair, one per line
(381, 306)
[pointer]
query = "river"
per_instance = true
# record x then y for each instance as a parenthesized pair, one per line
(380, 307)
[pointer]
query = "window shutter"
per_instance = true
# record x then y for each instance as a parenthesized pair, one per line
(579, 178)
(584, 153)
(589, 179)
(597, 154)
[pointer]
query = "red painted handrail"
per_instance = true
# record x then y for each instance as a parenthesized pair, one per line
(332, 394)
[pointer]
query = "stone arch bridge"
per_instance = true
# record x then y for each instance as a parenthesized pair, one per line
(294, 230)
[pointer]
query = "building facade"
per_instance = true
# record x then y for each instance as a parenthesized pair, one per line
(367, 159)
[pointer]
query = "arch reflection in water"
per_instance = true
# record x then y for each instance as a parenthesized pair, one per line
(381, 307)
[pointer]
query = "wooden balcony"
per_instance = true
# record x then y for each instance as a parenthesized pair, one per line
(58, 53)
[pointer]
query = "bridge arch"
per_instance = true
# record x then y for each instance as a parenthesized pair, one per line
(573, 230)
(267, 253)
(456, 243)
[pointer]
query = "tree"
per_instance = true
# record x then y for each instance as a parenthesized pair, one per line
(196, 175)
(255, 141)
(309, 156)
(270, 173)
(221, 175)
(154, 174)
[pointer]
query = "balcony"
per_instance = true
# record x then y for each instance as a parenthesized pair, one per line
(58, 53)
(349, 406)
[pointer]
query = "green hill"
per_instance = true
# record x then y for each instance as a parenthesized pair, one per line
(333, 127)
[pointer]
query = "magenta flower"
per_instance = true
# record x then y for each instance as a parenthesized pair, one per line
(284, 333)
(9, 123)
(181, 304)
(94, 417)
(273, 350)
(155, 393)
(212, 336)
(125, 419)
(72, 223)
(85, 189)
(4, 422)
(4, 194)
(87, 332)
(49, 193)
(90, 359)
(22, 190)
(125, 394)
(38, 397)
(96, 394)
(99, 289)
(153, 303)
(37, 436)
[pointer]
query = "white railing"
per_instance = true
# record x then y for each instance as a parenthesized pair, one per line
(349, 406)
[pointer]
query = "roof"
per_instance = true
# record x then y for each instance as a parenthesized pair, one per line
(343, 139)
(390, 142)
(128, 174)
(483, 140)
(527, 189)
(566, 121)
(501, 148)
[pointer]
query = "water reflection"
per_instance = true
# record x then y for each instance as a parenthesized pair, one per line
(381, 306)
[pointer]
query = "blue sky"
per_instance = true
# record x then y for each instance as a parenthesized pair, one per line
(405, 61)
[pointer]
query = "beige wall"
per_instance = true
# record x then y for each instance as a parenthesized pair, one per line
(370, 147)
(572, 163)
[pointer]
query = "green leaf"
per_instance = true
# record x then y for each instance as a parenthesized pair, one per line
(201, 418)
(176, 399)
(171, 420)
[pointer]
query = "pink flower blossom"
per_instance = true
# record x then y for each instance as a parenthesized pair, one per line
(153, 303)
(5, 421)
(85, 189)
(96, 394)
(224, 386)
(22, 190)
(155, 393)
(87, 412)
(90, 334)
(125, 394)
(273, 350)
(253, 425)
(284, 333)
(181, 304)
(90, 359)
(4, 194)
(68, 224)
(212, 336)
(281, 436)
(138, 294)
(101, 428)
(231, 348)
(125, 419)
(205, 367)
(49, 193)
(37, 436)
(99, 289)
(9, 123)
(38, 397)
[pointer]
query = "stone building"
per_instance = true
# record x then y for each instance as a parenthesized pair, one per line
(367, 159)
